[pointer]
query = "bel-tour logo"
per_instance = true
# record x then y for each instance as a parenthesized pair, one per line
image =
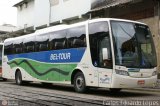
(60, 56)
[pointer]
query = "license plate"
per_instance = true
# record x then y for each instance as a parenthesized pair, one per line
(141, 82)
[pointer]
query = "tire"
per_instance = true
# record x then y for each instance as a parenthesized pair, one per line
(115, 90)
(79, 83)
(47, 84)
(4, 79)
(26, 82)
(18, 78)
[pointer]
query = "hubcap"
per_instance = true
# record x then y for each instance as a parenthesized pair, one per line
(79, 82)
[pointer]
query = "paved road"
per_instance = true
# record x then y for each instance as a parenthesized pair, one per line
(36, 94)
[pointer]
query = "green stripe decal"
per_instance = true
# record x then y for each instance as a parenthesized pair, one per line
(44, 71)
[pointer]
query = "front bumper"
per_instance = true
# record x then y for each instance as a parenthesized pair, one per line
(120, 81)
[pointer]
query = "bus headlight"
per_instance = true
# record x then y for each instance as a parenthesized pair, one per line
(154, 73)
(121, 72)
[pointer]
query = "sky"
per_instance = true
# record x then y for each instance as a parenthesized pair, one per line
(8, 13)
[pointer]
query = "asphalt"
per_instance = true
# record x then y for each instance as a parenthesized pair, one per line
(151, 89)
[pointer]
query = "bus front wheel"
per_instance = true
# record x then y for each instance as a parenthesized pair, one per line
(79, 83)
(18, 78)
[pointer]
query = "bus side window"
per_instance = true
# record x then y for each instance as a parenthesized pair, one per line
(30, 48)
(99, 39)
(70, 42)
(60, 45)
(18, 50)
(43, 47)
(58, 40)
(76, 37)
(42, 42)
(29, 44)
(52, 45)
(18, 46)
(8, 48)
(78, 43)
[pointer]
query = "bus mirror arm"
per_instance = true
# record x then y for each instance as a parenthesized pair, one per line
(105, 53)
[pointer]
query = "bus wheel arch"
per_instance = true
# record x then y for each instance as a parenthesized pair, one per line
(73, 75)
(78, 80)
(18, 77)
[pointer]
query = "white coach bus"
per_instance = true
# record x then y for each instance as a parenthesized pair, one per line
(109, 53)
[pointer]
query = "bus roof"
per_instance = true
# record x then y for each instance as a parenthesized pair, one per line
(61, 27)
(115, 19)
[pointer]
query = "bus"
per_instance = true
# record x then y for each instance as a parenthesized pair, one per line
(105, 52)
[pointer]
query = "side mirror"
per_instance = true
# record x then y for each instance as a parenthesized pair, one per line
(105, 53)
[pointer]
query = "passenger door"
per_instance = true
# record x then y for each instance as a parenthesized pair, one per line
(99, 40)
(105, 64)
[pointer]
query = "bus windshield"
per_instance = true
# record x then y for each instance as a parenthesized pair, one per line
(133, 45)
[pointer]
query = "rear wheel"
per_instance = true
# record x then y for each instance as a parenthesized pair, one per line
(4, 79)
(79, 83)
(18, 78)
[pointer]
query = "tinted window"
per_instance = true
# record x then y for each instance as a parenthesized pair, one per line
(99, 39)
(42, 42)
(76, 37)
(18, 46)
(58, 40)
(8, 48)
(29, 44)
